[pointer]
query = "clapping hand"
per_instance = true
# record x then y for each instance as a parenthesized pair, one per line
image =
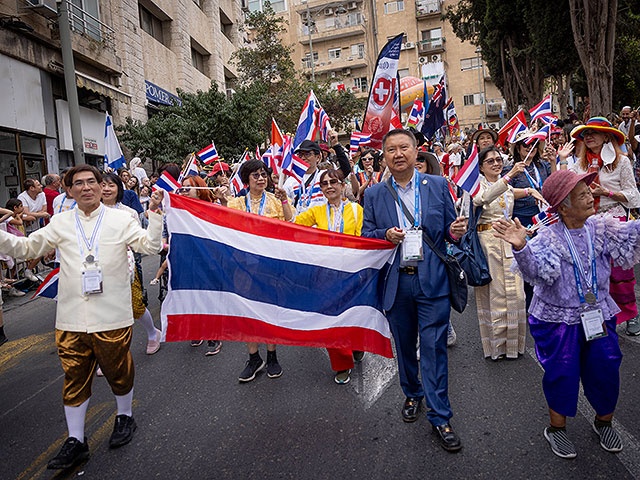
(511, 232)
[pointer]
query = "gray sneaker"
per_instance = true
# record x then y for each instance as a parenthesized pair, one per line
(633, 327)
(560, 443)
(451, 336)
(609, 438)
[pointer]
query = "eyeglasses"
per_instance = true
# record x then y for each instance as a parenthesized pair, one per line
(326, 183)
(80, 183)
(307, 154)
(258, 175)
(420, 160)
(182, 190)
(526, 147)
(364, 159)
(493, 161)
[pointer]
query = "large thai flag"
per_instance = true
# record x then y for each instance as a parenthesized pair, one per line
(468, 177)
(307, 122)
(166, 182)
(291, 164)
(518, 118)
(241, 277)
(209, 154)
(49, 288)
(542, 109)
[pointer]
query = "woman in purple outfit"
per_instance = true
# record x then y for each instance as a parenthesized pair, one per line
(572, 315)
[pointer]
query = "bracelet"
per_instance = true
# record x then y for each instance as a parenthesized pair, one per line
(610, 194)
(526, 191)
(455, 239)
(284, 202)
(507, 178)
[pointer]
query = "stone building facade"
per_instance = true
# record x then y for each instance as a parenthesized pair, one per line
(346, 36)
(130, 57)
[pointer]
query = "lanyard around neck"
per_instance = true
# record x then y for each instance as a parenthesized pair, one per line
(339, 215)
(90, 243)
(416, 216)
(262, 207)
(578, 267)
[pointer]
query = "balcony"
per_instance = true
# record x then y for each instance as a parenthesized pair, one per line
(339, 26)
(342, 66)
(316, 5)
(435, 45)
(493, 108)
(428, 8)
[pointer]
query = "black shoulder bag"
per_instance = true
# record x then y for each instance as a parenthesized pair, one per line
(457, 279)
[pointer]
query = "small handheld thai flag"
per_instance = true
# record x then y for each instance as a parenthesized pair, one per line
(520, 127)
(358, 139)
(190, 170)
(292, 165)
(209, 154)
(49, 288)
(236, 181)
(166, 182)
(542, 109)
(258, 156)
(503, 133)
(540, 135)
(550, 120)
(468, 177)
(269, 160)
(545, 218)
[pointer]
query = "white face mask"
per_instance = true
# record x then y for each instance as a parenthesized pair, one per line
(608, 153)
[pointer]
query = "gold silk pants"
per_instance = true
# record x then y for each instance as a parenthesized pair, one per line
(80, 354)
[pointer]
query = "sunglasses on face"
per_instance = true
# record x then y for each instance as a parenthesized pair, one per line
(259, 175)
(332, 182)
(493, 161)
(182, 190)
(420, 160)
(525, 146)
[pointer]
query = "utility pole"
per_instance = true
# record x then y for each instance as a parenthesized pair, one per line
(310, 23)
(70, 83)
(480, 74)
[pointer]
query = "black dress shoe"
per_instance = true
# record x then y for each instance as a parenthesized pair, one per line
(410, 409)
(73, 451)
(448, 438)
(122, 431)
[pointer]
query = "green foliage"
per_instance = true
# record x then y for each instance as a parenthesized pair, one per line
(626, 65)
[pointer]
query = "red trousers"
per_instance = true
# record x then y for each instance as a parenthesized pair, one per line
(341, 358)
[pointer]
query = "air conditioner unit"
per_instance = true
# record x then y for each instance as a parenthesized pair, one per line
(333, 74)
(408, 45)
(350, 59)
(352, 5)
(46, 8)
(304, 16)
(328, 11)
(422, 60)
(346, 71)
(436, 57)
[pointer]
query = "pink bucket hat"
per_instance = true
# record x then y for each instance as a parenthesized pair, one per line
(560, 183)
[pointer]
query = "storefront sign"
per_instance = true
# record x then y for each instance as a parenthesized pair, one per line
(90, 145)
(159, 95)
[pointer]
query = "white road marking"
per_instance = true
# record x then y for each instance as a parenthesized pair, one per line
(7, 412)
(630, 454)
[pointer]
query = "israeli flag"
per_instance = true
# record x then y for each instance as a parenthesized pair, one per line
(113, 157)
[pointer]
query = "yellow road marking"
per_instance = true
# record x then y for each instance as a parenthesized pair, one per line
(15, 351)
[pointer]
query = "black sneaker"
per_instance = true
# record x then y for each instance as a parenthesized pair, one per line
(274, 370)
(72, 452)
(122, 431)
(213, 347)
(253, 366)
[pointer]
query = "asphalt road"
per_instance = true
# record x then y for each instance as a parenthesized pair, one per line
(196, 421)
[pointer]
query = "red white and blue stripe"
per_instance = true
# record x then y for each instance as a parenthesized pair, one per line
(542, 109)
(291, 164)
(518, 128)
(468, 177)
(166, 182)
(240, 277)
(209, 154)
(540, 135)
(307, 122)
(358, 139)
(190, 170)
(49, 288)
(236, 181)
(323, 122)
(416, 116)
(269, 160)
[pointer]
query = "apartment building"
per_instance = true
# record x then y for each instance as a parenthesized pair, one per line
(339, 41)
(130, 57)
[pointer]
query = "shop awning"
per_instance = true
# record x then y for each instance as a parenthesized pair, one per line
(85, 81)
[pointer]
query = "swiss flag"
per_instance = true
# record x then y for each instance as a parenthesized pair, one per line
(340, 87)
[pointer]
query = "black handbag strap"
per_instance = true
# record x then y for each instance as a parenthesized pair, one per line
(407, 213)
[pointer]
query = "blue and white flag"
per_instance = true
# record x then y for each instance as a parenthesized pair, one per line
(113, 157)
(239, 276)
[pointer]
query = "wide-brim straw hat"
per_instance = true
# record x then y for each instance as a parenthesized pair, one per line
(521, 137)
(432, 162)
(560, 183)
(477, 133)
(599, 124)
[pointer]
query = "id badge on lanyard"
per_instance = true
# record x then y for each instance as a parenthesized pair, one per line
(593, 323)
(412, 245)
(91, 273)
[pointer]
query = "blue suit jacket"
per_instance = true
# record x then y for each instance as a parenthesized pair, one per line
(437, 215)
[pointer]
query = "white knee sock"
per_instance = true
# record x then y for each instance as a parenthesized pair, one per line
(124, 403)
(147, 322)
(75, 419)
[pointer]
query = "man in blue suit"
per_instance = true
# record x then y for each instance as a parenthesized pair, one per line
(416, 290)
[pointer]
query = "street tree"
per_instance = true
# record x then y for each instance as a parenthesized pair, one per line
(594, 32)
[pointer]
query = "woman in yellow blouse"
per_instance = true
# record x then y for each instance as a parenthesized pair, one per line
(261, 202)
(337, 215)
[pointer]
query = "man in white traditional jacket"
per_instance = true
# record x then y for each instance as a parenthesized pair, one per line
(94, 313)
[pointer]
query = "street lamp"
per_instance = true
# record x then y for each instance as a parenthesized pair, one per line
(310, 23)
(482, 112)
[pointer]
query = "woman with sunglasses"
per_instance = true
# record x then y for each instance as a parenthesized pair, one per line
(535, 173)
(274, 205)
(342, 216)
(112, 194)
(501, 303)
(614, 193)
(370, 172)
